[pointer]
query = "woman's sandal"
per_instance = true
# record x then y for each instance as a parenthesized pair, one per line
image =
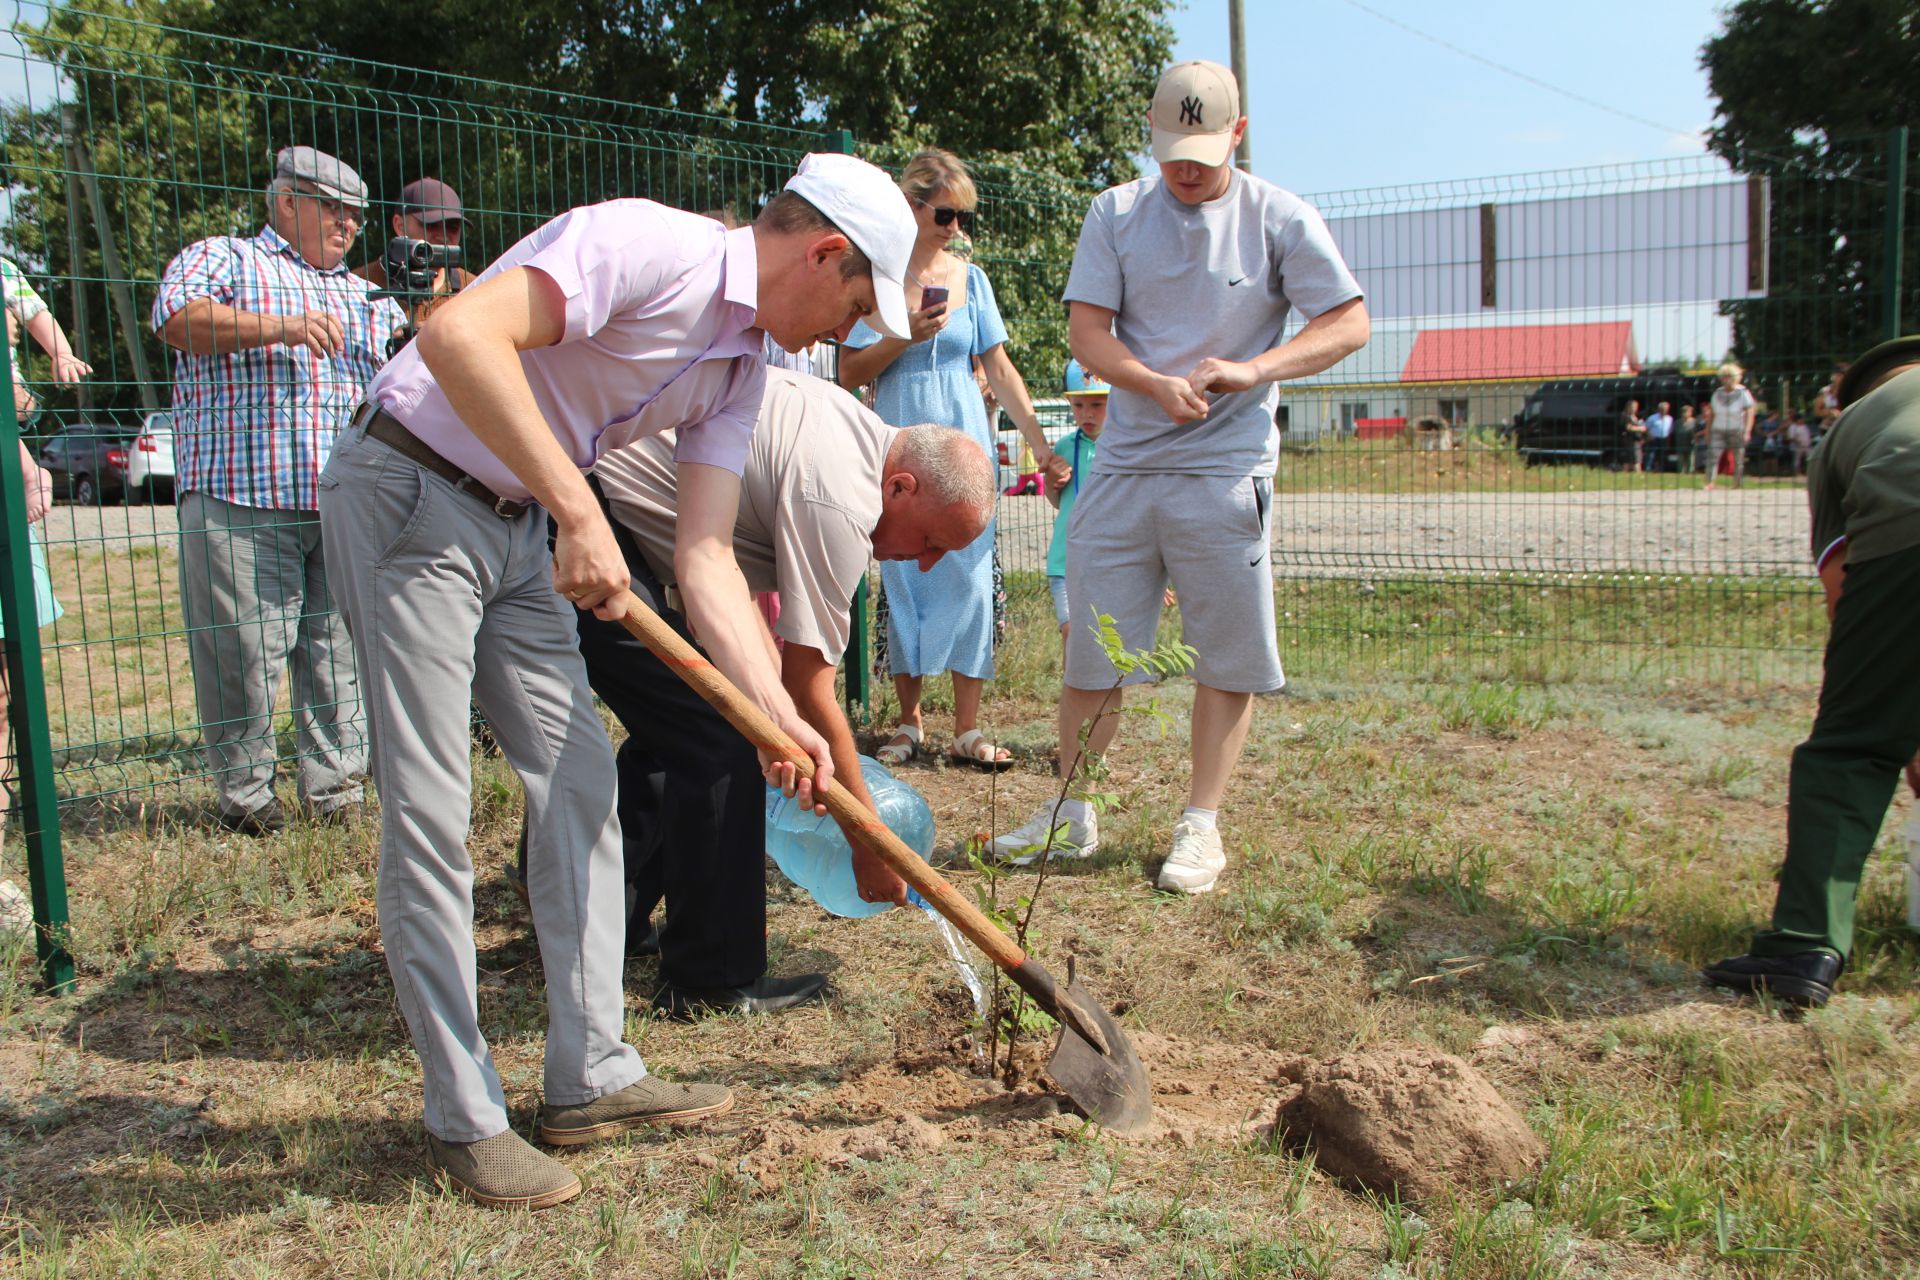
(973, 750)
(894, 753)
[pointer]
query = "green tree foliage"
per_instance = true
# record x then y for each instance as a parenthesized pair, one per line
(1806, 91)
(1062, 84)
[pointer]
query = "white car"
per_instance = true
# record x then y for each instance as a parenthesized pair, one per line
(150, 460)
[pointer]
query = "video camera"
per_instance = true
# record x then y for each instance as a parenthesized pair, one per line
(411, 264)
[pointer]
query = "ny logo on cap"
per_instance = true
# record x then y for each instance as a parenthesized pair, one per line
(1190, 111)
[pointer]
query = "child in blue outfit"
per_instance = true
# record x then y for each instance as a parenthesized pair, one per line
(1087, 397)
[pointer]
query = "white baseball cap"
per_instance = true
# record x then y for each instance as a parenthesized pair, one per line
(1194, 111)
(870, 208)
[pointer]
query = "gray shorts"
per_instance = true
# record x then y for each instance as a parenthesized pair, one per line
(1058, 588)
(1211, 537)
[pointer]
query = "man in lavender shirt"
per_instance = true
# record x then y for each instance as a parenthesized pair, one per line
(610, 323)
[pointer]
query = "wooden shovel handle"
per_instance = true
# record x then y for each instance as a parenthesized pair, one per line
(685, 661)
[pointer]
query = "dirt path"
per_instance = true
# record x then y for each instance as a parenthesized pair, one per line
(1762, 529)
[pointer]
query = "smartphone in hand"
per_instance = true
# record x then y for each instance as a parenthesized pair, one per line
(934, 295)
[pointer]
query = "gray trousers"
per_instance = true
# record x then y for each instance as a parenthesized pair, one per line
(253, 589)
(447, 601)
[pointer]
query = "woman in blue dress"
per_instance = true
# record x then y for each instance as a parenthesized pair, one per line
(942, 620)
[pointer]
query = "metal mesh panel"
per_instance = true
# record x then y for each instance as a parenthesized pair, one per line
(130, 142)
(1459, 497)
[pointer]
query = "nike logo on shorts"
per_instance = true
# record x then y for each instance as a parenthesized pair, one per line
(1242, 280)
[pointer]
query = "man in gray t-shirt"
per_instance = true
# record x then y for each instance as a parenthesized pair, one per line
(1180, 293)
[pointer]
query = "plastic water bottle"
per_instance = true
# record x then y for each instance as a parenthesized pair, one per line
(814, 853)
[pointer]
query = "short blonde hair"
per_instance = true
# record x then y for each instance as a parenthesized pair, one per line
(1731, 370)
(932, 171)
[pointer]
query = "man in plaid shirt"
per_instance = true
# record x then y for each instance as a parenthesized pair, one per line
(277, 341)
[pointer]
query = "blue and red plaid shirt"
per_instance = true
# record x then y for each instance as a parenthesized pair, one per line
(254, 428)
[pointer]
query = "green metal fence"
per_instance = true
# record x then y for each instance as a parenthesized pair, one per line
(1425, 523)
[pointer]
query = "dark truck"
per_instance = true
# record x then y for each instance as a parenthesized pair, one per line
(1579, 419)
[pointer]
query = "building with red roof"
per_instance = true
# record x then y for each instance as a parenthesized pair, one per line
(1532, 352)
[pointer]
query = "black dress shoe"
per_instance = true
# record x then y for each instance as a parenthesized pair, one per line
(1804, 979)
(647, 944)
(267, 820)
(768, 995)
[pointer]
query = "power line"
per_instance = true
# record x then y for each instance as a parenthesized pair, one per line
(1503, 69)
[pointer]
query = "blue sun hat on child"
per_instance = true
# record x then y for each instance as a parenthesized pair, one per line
(1082, 383)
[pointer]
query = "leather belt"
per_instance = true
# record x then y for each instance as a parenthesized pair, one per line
(393, 433)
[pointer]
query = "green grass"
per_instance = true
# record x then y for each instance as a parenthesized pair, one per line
(1483, 464)
(1413, 863)
(1526, 803)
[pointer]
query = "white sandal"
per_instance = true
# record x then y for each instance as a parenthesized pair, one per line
(893, 754)
(972, 749)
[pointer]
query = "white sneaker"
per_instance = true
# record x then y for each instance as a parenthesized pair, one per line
(1196, 861)
(1021, 846)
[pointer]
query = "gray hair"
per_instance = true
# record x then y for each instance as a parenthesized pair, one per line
(953, 470)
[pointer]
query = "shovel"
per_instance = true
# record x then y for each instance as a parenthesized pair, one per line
(1094, 1063)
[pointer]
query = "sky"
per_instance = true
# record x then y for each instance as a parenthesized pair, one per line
(1339, 99)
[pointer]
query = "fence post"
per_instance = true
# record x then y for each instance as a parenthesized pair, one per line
(27, 708)
(1896, 226)
(859, 691)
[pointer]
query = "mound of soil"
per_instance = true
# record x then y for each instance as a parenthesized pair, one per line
(1408, 1122)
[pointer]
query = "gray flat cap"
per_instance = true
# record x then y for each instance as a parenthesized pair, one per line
(335, 178)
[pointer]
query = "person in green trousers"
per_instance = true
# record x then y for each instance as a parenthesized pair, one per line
(1863, 484)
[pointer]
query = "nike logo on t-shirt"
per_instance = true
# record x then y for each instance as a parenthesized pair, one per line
(1240, 281)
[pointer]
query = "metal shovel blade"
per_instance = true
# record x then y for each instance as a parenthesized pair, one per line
(1111, 1086)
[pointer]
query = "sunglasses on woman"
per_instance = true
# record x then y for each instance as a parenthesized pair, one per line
(945, 217)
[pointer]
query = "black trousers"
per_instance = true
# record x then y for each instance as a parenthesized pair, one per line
(692, 805)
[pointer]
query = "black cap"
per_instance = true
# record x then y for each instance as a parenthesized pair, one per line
(430, 200)
(1869, 368)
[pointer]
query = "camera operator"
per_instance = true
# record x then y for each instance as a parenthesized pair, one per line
(429, 211)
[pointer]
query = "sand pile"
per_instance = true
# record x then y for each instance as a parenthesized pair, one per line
(1409, 1122)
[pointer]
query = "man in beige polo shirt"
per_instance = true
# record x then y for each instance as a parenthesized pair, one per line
(827, 485)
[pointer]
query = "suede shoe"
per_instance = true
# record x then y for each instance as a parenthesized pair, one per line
(649, 1100)
(267, 820)
(1804, 979)
(765, 995)
(504, 1171)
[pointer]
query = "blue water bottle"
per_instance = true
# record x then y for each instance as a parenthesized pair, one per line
(814, 853)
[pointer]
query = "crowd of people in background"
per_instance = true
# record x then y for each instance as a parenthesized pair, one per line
(1731, 433)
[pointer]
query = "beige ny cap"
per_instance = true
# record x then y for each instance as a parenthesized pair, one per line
(1194, 111)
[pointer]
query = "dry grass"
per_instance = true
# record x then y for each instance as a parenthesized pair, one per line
(230, 1093)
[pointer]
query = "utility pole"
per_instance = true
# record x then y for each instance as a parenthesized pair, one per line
(1237, 20)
